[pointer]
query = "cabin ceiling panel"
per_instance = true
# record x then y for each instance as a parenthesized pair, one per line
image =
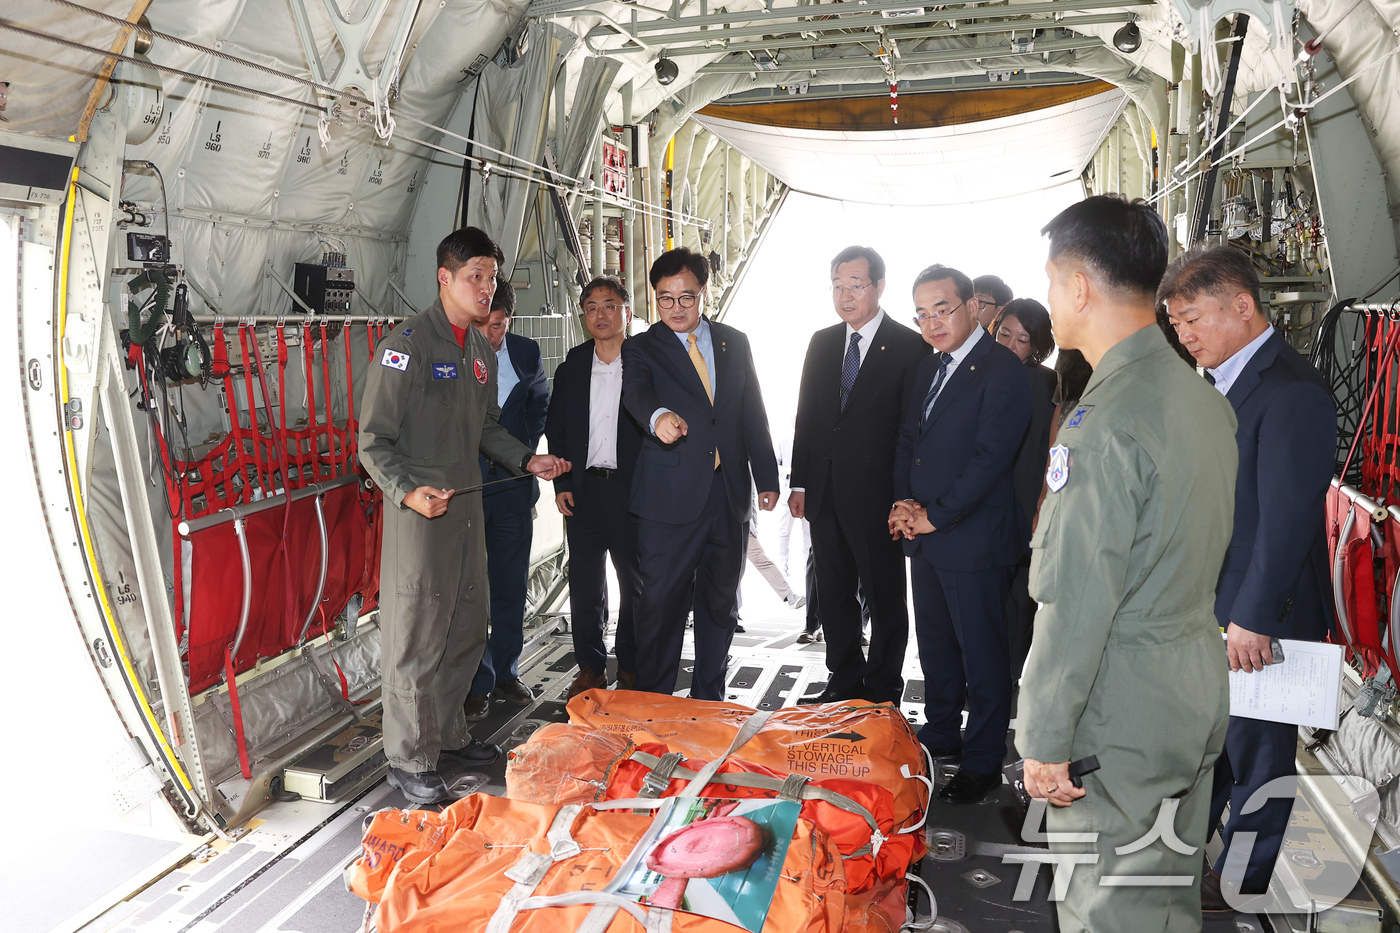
(944, 165)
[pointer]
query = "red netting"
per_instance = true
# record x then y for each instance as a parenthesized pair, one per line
(284, 545)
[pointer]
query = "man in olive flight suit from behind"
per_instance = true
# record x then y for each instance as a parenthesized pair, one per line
(429, 410)
(1128, 664)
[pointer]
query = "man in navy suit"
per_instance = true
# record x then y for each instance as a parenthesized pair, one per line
(523, 395)
(1275, 581)
(956, 510)
(690, 382)
(586, 416)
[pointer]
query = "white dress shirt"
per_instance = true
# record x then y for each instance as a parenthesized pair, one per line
(604, 391)
(1227, 372)
(867, 337)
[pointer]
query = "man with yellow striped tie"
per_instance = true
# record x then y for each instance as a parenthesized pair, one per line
(691, 383)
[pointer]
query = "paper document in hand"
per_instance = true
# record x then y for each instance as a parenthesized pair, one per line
(1304, 690)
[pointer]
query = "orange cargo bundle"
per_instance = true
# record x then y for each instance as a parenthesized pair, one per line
(497, 865)
(865, 741)
(564, 763)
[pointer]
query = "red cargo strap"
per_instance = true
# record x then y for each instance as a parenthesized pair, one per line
(267, 480)
(240, 454)
(352, 442)
(330, 412)
(238, 735)
(309, 367)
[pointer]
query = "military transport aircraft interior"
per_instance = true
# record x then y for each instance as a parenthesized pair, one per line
(440, 496)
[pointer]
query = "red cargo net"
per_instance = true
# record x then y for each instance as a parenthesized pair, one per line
(284, 544)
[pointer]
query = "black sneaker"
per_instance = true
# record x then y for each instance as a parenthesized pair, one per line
(514, 691)
(421, 787)
(477, 707)
(475, 754)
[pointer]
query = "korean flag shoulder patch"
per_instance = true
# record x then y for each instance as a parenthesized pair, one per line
(1057, 474)
(394, 359)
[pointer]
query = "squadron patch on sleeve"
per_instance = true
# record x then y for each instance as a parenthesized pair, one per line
(394, 359)
(1057, 474)
(1076, 419)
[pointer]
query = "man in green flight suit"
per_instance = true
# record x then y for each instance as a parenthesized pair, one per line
(429, 410)
(1127, 664)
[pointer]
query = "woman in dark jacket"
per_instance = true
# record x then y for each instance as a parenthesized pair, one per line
(1024, 327)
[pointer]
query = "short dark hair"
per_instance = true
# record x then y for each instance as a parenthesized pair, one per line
(1124, 241)
(993, 285)
(1215, 270)
(609, 282)
(872, 259)
(461, 246)
(675, 261)
(937, 273)
(1036, 320)
(504, 299)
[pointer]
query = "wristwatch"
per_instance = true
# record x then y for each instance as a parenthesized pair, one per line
(525, 464)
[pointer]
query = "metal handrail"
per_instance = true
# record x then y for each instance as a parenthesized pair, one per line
(325, 562)
(238, 529)
(243, 510)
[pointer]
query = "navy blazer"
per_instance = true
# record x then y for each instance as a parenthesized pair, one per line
(958, 464)
(522, 415)
(672, 483)
(567, 426)
(1275, 579)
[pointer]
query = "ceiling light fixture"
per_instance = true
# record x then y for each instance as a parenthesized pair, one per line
(666, 70)
(1128, 39)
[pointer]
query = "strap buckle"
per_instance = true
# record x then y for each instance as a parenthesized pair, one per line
(659, 778)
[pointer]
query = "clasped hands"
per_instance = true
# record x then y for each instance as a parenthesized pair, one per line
(907, 519)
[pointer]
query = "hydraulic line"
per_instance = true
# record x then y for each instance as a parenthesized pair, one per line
(184, 787)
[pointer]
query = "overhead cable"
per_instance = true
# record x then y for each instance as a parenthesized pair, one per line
(104, 53)
(570, 185)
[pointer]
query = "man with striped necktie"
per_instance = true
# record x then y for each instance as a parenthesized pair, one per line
(691, 383)
(955, 508)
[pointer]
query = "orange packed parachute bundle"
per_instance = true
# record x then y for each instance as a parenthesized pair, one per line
(496, 865)
(863, 741)
(565, 763)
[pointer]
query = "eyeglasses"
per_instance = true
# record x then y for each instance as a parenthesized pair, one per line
(855, 290)
(686, 300)
(987, 301)
(923, 316)
(592, 308)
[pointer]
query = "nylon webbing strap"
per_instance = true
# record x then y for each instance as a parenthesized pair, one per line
(792, 787)
(748, 730)
(582, 897)
(659, 778)
(530, 869)
(239, 738)
(805, 791)
(598, 919)
(659, 920)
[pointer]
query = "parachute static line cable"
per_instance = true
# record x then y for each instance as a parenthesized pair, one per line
(104, 53)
